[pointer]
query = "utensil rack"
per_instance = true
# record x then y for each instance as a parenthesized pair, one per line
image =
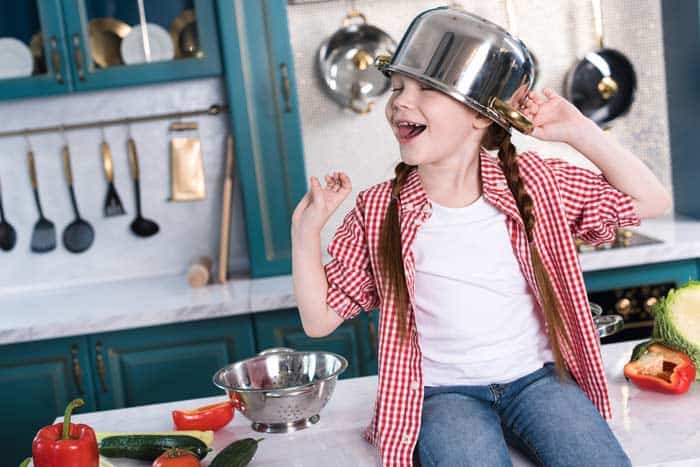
(214, 109)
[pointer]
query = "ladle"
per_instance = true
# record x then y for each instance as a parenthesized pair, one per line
(79, 234)
(140, 226)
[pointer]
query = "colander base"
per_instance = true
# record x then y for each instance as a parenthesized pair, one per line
(286, 427)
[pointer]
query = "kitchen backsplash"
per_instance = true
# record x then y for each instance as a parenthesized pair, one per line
(187, 229)
(558, 33)
(334, 139)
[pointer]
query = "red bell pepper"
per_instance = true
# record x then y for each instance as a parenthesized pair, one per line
(209, 417)
(660, 368)
(66, 444)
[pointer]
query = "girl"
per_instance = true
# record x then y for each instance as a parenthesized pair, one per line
(484, 317)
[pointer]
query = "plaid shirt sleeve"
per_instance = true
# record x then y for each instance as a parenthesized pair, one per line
(351, 284)
(594, 208)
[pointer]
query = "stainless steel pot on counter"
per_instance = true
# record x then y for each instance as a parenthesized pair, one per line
(469, 58)
(282, 390)
(345, 62)
(606, 325)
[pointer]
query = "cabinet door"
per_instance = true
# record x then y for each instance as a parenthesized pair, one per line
(108, 49)
(166, 363)
(32, 49)
(261, 87)
(37, 380)
(283, 328)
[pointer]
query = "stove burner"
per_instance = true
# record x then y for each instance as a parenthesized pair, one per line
(625, 238)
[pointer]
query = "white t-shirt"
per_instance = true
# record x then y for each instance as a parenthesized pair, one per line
(476, 317)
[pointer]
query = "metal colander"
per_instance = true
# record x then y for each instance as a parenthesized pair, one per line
(282, 390)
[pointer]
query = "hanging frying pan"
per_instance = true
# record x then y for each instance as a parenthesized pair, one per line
(345, 62)
(513, 29)
(602, 84)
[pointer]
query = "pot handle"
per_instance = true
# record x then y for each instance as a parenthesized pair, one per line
(512, 116)
(361, 110)
(352, 14)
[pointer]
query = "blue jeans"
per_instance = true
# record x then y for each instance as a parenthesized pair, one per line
(552, 423)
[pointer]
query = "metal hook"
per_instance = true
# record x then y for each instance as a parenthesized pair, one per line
(63, 134)
(128, 128)
(102, 132)
(29, 143)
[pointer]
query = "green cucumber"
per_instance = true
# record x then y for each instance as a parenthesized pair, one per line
(149, 447)
(237, 454)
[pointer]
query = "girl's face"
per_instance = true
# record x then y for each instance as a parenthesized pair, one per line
(429, 125)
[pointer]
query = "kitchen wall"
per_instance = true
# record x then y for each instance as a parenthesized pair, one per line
(187, 229)
(558, 33)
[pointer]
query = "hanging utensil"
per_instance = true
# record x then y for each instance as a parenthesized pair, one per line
(113, 204)
(345, 62)
(78, 235)
(44, 233)
(140, 226)
(8, 235)
(602, 84)
(226, 212)
(184, 34)
(513, 29)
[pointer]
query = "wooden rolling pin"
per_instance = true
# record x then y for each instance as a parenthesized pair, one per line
(226, 212)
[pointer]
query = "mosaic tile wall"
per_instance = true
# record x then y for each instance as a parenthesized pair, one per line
(558, 33)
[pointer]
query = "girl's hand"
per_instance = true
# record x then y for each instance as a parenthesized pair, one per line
(319, 203)
(553, 117)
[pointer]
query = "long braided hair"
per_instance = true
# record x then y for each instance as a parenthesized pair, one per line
(391, 259)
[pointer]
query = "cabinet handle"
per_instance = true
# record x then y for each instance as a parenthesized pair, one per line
(372, 336)
(78, 57)
(77, 371)
(101, 371)
(287, 87)
(56, 60)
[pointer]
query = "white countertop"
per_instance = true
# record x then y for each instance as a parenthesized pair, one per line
(113, 306)
(654, 429)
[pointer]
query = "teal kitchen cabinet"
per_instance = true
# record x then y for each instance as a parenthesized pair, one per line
(37, 380)
(92, 69)
(260, 82)
(673, 271)
(112, 370)
(35, 53)
(354, 339)
(166, 363)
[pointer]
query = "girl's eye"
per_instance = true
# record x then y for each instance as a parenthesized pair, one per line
(396, 89)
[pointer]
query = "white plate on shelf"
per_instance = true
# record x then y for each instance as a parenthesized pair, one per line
(16, 59)
(158, 38)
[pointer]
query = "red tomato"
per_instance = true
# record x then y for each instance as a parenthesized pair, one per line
(177, 457)
(210, 417)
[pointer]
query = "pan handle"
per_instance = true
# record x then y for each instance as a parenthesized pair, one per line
(598, 23)
(512, 116)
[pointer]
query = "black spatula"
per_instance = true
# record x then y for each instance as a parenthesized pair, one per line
(78, 235)
(44, 234)
(8, 235)
(113, 205)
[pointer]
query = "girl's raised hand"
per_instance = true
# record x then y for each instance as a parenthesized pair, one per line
(319, 203)
(553, 117)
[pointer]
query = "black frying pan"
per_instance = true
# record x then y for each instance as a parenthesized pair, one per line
(602, 85)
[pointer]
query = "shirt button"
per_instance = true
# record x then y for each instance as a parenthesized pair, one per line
(406, 439)
(501, 186)
(409, 206)
(418, 221)
(414, 385)
(426, 207)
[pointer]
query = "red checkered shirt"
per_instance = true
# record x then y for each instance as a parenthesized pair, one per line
(570, 201)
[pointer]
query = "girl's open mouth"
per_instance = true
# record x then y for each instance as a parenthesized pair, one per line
(409, 131)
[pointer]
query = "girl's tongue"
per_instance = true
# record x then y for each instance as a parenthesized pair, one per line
(408, 131)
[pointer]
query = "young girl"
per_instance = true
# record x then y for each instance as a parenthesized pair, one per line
(484, 317)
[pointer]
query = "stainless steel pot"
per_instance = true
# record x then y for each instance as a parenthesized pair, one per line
(470, 59)
(345, 62)
(282, 390)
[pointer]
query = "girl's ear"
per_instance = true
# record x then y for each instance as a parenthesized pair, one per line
(481, 121)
